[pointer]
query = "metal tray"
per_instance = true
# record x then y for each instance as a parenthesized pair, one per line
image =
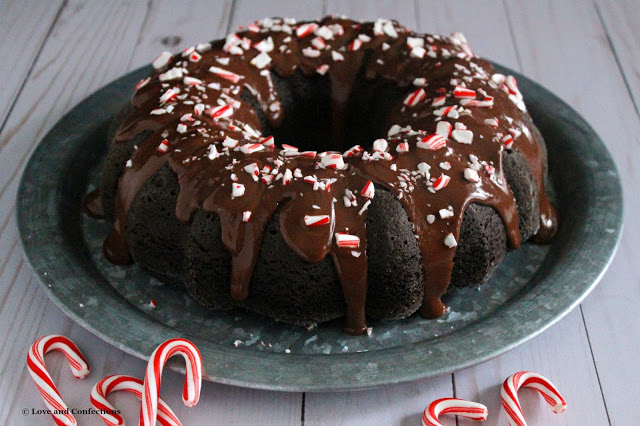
(533, 287)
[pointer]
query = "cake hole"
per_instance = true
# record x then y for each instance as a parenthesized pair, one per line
(319, 117)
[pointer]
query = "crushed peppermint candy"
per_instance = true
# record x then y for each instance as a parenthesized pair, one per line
(227, 75)
(471, 175)
(368, 191)
(316, 220)
(237, 190)
(346, 240)
(441, 182)
(162, 60)
(462, 136)
(450, 241)
(415, 97)
(432, 142)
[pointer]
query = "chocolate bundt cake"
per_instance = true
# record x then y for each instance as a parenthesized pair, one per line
(308, 171)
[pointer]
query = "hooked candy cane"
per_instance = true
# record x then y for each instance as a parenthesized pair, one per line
(118, 382)
(153, 376)
(40, 375)
(459, 407)
(509, 395)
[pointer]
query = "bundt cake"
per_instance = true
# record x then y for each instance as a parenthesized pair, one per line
(308, 171)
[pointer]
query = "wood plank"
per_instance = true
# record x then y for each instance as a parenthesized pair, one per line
(83, 52)
(174, 28)
(246, 11)
(366, 10)
(219, 403)
(620, 20)
(19, 48)
(580, 67)
(482, 383)
(559, 354)
(390, 405)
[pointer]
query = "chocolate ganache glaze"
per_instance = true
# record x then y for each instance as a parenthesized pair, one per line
(441, 148)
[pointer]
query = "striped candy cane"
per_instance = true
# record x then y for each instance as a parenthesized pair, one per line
(509, 395)
(459, 407)
(38, 371)
(193, 380)
(116, 383)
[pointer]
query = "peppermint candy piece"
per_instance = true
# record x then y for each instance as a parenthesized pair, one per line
(463, 136)
(44, 382)
(306, 29)
(369, 190)
(261, 61)
(162, 60)
(464, 93)
(333, 161)
(164, 146)
(346, 240)
(507, 141)
(237, 190)
(458, 407)
(439, 101)
(415, 97)
(441, 182)
(116, 383)
(528, 379)
(153, 376)
(250, 148)
(444, 129)
(402, 147)
(450, 241)
(432, 142)
(471, 175)
(142, 83)
(380, 145)
(167, 96)
(227, 75)
(221, 111)
(316, 220)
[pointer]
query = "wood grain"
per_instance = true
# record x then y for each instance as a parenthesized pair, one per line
(19, 48)
(585, 53)
(583, 69)
(174, 28)
(619, 18)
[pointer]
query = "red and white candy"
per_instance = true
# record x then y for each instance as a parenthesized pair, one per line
(464, 93)
(527, 379)
(432, 142)
(347, 240)
(316, 220)
(458, 407)
(415, 97)
(153, 376)
(40, 375)
(221, 111)
(116, 383)
(369, 190)
(227, 75)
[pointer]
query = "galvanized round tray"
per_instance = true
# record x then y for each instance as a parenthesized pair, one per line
(532, 288)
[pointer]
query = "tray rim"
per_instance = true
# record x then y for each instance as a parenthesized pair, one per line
(319, 363)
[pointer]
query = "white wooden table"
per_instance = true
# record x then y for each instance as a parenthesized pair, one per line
(56, 52)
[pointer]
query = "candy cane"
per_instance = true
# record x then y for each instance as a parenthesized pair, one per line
(509, 395)
(38, 371)
(459, 407)
(118, 382)
(193, 380)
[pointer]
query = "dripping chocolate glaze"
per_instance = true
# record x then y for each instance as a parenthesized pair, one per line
(300, 181)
